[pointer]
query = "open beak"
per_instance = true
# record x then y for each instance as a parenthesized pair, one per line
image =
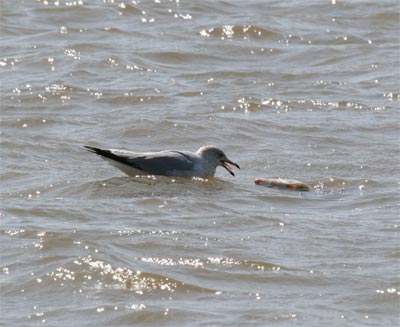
(225, 164)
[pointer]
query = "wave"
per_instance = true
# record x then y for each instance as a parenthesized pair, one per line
(240, 32)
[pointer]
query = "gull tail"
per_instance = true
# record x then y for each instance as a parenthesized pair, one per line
(108, 154)
(121, 162)
(103, 153)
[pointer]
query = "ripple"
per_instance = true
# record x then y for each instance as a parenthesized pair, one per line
(130, 99)
(240, 32)
(252, 104)
(99, 273)
(212, 262)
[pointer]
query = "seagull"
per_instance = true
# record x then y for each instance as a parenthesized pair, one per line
(201, 163)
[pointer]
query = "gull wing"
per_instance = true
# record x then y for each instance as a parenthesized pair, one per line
(167, 163)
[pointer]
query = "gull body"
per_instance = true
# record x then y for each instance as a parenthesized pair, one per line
(202, 163)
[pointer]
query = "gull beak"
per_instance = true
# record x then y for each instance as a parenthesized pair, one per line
(225, 163)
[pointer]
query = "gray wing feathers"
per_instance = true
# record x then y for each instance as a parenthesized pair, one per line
(162, 163)
(159, 163)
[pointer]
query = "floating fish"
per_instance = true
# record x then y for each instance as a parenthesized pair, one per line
(282, 183)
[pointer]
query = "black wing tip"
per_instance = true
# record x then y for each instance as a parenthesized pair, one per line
(89, 148)
(100, 152)
(110, 155)
(92, 149)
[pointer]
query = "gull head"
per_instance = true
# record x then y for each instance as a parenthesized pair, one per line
(216, 157)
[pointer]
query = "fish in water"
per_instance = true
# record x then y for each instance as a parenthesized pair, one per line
(282, 183)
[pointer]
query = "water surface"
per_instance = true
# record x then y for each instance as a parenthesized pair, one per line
(306, 90)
